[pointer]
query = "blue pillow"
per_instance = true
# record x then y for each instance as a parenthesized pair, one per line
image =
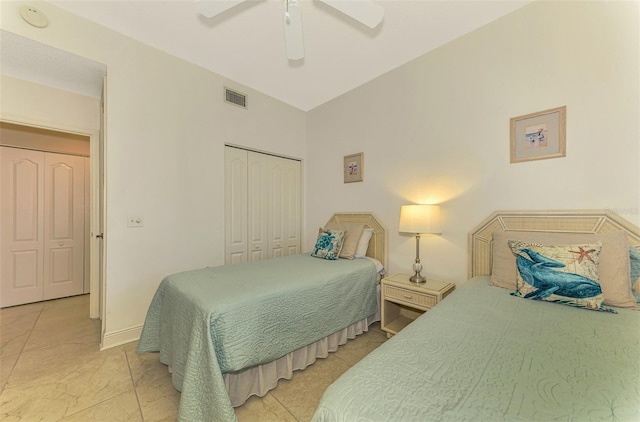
(634, 258)
(328, 244)
(566, 274)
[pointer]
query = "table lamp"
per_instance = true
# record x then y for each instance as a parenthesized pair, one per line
(419, 219)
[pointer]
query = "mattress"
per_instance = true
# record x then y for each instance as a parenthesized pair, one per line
(483, 354)
(212, 321)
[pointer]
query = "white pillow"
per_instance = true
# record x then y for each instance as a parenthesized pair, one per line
(363, 243)
(379, 267)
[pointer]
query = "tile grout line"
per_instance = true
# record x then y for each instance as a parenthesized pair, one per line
(133, 384)
(285, 408)
(13, 367)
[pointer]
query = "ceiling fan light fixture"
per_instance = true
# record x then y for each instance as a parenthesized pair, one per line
(293, 37)
(366, 12)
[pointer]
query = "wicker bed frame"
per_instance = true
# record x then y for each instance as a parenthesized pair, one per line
(582, 221)
(378, 243)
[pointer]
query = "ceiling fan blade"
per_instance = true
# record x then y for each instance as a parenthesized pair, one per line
(293, 30)
(211, 8)
(364, 11)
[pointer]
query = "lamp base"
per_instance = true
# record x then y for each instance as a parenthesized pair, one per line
(417, 278)
(417, 268)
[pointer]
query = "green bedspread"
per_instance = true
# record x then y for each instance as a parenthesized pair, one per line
(484, 355)
(216, 320)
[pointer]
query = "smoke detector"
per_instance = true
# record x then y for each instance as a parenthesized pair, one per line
(34, 17)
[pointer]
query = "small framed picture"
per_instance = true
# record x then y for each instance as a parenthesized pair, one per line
(353, 167)
(539, 136)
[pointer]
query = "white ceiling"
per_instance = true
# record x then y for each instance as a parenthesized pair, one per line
(246, 43)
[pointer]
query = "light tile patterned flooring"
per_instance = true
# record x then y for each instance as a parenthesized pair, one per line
(51, 369)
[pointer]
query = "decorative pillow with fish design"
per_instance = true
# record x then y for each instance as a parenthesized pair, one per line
(328, 244)
(566, 274)
(634, 259)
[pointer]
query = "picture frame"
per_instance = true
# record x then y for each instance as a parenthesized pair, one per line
(539, 136)
(354, 168)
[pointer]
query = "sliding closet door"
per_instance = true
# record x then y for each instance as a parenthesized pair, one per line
(21, 226)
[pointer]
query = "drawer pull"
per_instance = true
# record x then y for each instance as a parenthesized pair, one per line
(408, 296)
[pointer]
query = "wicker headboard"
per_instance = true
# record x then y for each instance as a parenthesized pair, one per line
(587, 221)
(378, 243)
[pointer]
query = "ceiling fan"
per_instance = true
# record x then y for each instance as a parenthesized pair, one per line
(366, 12)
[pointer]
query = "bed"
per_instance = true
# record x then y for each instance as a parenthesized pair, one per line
(230, 332)
(485, 354)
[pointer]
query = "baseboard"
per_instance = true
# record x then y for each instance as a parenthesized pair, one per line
(120, 337)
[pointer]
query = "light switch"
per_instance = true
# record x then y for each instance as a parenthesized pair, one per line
(135, 221)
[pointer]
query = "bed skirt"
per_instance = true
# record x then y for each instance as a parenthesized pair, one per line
(259, 380)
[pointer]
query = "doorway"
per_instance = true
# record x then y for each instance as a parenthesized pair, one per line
(52, 89)
(42, 222)
(52, 214)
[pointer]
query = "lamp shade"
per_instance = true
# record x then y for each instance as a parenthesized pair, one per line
(420, 219)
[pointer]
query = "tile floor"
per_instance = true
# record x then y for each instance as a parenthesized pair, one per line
(51, 370)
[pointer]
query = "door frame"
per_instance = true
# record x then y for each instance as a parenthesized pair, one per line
(96, 159)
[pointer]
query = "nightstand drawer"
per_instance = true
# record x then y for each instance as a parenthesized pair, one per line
(403, 301)
(408, 296)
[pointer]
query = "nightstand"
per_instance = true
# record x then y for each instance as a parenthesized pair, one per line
(403, 301)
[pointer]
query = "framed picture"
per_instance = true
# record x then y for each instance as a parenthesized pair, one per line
(539, 136)
(353, 167)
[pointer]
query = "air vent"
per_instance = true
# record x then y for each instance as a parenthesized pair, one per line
(235, 98)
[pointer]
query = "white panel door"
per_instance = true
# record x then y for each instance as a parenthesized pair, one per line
(21, 226)
(292, 205)
(235, 200)
(63, 225)
(258, 188)
(276, 211)
(284, 207)
(42, 213)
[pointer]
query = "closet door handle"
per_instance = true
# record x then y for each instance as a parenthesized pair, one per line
(100, 236)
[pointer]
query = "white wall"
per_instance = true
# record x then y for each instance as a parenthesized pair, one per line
(22, 100)
(166, 127)
(436, 130)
